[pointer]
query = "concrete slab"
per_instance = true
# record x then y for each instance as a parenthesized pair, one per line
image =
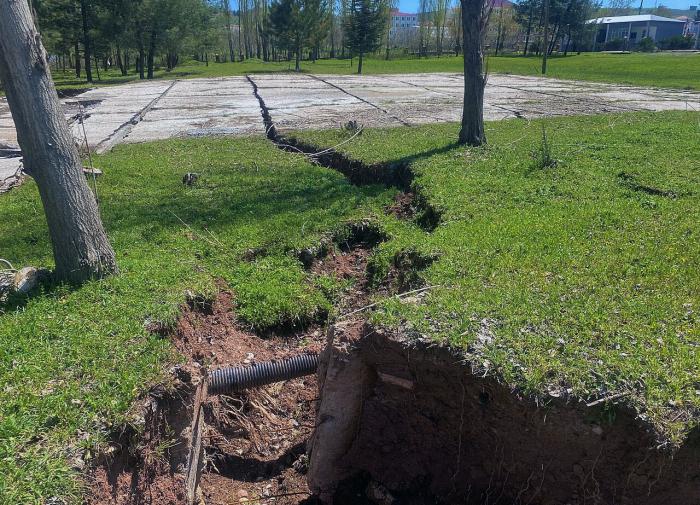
(199, 107)
(152, 110)
(302, 101)
(9, 172)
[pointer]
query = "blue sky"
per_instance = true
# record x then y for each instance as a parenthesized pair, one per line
(412, 5)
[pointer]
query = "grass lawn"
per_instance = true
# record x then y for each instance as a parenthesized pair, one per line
(584, 275)
(73, 360)
(661, 70)
(670, 70)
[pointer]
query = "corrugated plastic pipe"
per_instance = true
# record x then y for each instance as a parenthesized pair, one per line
(238, 378)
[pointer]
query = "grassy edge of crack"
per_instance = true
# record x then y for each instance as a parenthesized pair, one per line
(576, 278)
(516, 255)
(74, 360)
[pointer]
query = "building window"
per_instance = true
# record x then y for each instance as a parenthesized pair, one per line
(618, 32)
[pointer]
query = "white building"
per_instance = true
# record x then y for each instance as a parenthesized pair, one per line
(404, 27)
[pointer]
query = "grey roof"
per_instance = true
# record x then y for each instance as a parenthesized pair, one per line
(640, 18)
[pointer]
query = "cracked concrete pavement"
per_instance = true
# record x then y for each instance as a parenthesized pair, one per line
(154, 110)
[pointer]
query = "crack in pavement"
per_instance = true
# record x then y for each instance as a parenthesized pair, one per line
(120, 133)
(268, 123)
(405, 123)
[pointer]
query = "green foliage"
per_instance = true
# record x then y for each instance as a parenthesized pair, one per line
(677, 42)
(616, 45)
(646, 45)
(297, 24)
(569, 16)
(363, 25)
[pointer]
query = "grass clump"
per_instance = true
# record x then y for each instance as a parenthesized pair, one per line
(72, 361)
(587, 279)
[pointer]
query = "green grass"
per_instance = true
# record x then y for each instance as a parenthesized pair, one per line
(584, 274)
(584, 277)
(661, 70)
(72, 361)
(671, 70)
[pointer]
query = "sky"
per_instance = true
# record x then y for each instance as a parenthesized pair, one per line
(412, 5)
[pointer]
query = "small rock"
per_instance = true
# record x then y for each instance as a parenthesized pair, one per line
(597, 430)
(242, 493)
(190, 178)
(27, 279)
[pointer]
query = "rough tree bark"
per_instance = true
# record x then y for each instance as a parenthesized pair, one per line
(80, 246)
(475, 14)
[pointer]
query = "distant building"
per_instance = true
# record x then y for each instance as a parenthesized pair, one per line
(691, 29)
(633, 29)
(404, 27)
(403, 20)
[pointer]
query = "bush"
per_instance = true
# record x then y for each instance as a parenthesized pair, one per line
(615, 45)
(677, 42)
(646, 45)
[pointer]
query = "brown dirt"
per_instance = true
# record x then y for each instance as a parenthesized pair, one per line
(254, 442)
(404, 206)
(429, 430)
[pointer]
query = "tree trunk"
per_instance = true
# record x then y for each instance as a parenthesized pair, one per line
(77, 59)
(120, 61)
(97, 68)
(151, 54)
(545, 36)
(297, 66)
(529, 29)
(80, 246)
(359, 63)
(231, 52)
(86, 39)
(141, 59)
(473, 22)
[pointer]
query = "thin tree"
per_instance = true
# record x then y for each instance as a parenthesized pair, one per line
(86, 38)
(229, 34)
(80, 246)
(545, 18)
(363, 27)
(475, 17)
(392, 5)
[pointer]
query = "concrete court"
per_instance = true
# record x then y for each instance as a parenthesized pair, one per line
(153, 110)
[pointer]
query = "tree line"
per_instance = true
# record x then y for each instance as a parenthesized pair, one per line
(140, 35)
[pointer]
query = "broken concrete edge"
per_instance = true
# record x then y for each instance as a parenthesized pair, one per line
(123, 131)
(347, 380)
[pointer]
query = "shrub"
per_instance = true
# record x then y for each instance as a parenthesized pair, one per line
(646, 45)
(677, 42)
(615, 45)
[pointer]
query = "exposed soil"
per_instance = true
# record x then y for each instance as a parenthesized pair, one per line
(254, 442)
(425, 429)
(404, 206)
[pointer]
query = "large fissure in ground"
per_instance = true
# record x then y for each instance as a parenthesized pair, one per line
(405, 421)
(410, 203)
(389, 420)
